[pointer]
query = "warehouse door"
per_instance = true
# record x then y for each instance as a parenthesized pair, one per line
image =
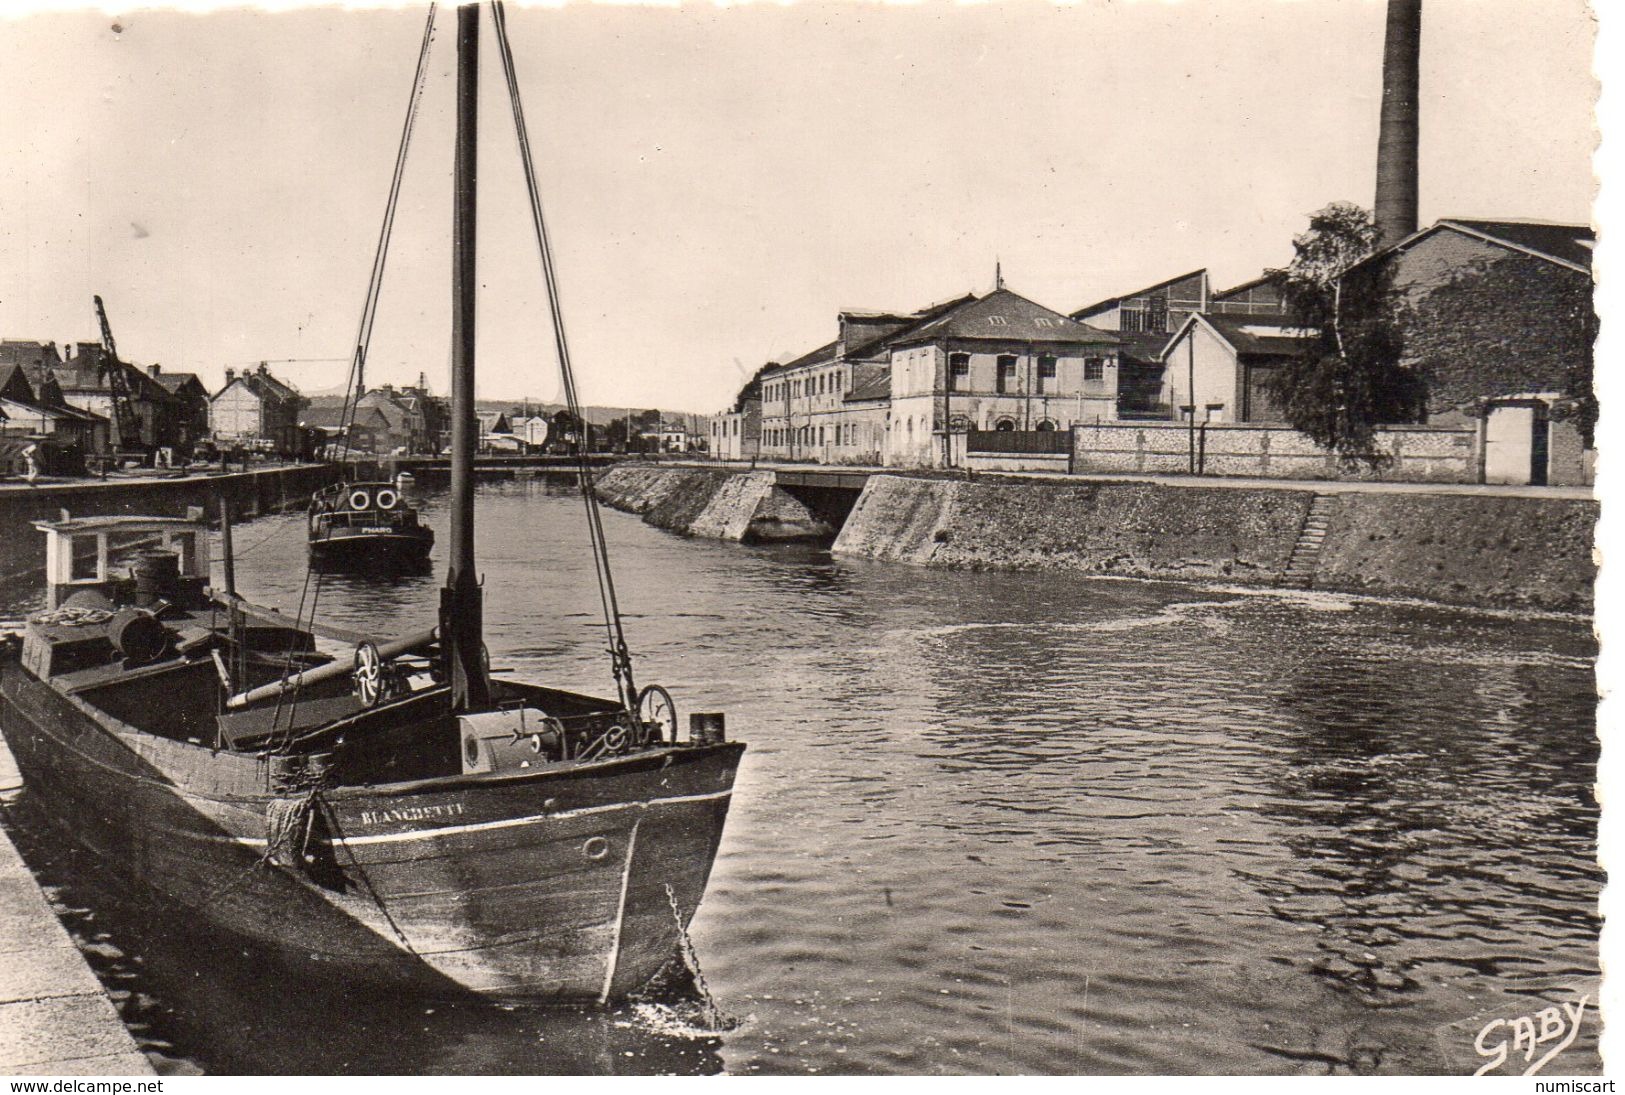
(1516, 443)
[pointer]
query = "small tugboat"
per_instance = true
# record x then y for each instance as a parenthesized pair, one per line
(357, 526)
(386, 810)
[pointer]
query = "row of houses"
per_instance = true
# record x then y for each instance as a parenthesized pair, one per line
(77, 397)
(1494, 312)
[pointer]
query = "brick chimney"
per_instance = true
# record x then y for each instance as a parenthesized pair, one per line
(154, 370)
(231, 374)
(262, 368)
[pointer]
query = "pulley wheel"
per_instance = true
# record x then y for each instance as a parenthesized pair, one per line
(369, 674)
(657, 713)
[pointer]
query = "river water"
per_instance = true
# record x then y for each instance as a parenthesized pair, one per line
(992, 823)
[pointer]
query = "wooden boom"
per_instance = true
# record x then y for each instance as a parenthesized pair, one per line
(336, 668)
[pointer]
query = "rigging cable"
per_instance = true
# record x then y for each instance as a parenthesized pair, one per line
(620, 655)
(369, 308)
(357, 374)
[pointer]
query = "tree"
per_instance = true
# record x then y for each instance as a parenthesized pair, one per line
(1347, 379)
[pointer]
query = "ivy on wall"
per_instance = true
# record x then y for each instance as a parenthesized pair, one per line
(1513, 326)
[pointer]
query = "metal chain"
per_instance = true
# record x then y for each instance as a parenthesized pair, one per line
(715, 1018)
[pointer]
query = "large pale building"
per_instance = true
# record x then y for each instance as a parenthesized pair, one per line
(893, 388)
(257, 408)
(995, 363)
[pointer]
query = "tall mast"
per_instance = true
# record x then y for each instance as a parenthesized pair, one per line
(460, 600)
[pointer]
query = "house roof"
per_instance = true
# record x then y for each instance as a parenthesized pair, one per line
(67, 410)
(15, 375)
(329, 416)
(29, 352)
(270, 383)
(394, 410)
(1258, 336)
(78, 375)
(59, 413)
(174, 382)
(870, 388)
(1142, 345)
(876, 347)
(824, 353)
(1112, 302)
(1567, 245)
(1005, 316)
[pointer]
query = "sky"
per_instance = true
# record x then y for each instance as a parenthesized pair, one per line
(721, 181)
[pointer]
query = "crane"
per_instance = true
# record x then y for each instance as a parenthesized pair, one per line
(126, 423)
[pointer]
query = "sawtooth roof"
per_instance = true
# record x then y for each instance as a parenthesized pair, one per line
(1112, 302)
(870, 388)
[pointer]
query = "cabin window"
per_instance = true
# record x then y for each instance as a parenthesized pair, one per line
(958, 371)
(1006, 373)
(83, 556)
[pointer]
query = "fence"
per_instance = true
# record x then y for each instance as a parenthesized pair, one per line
(1411, 453)
(1026, 442)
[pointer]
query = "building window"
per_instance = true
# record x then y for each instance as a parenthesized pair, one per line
(1046, 373)
(1149, 315)
(1094, 370)
(1046, 425)
(1006, 373)
(958, 371)
(1005, 425)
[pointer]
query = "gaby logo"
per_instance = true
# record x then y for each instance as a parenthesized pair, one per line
(1552, 1028)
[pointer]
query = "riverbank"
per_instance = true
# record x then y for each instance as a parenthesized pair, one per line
(745, 506)
(1510, 550)
(249, 493)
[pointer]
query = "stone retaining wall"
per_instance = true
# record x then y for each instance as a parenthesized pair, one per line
(1137, 529)
(1518, 552)
(711, 502)
(263, 490)
(1470, 549)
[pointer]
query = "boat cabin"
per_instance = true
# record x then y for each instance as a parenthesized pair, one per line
(87, 553)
